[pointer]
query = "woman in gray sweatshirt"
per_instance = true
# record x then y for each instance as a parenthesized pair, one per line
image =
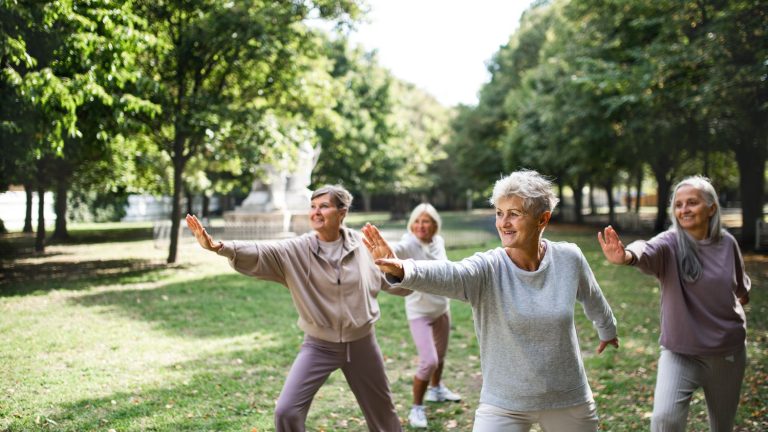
(703, 326)
(522, 296)
(333, 284)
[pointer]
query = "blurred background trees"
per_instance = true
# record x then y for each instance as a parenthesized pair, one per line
(103, 99)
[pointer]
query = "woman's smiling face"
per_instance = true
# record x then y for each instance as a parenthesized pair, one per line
(424, 227)
(692, 211)
(326, 217)
(517, 227)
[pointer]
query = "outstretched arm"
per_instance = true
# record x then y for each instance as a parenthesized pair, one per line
(613, 248)
(381, 252)
(205, 239)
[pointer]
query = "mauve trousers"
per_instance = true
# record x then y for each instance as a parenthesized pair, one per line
(363, 367)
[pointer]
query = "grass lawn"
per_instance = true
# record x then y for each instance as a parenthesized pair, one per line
(100, 335)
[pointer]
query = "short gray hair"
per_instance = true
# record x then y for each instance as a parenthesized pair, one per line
(428, 209)
(339, 195)
(687, 248)
(532, 187)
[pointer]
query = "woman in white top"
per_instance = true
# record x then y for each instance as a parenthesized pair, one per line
(428, 314)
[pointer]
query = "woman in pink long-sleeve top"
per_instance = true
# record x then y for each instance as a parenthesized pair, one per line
(703, 325)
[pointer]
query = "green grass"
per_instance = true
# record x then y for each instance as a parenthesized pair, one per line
(102, 335)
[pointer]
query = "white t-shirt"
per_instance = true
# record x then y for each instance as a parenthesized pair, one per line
(421, 304)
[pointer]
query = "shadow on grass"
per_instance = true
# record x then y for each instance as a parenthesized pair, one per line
(93, 236)
(229, 389)
(29, 278)
(216, 306)
(235, 390)
(17, 245)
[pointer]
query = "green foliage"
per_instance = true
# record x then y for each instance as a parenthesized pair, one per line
(591, 91)
(228, 81)
(92, 206)
(383, 135)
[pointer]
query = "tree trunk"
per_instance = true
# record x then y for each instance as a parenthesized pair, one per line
(60, 232)
(28, 208)
(664, 180)
(608, 185)
(638, 189)
(751, 157)
(206, 206)
(578, 197)
(628, 195)
(40, 237)
(366, 195)
(178, 170)
(560, 215)
(592, 205)
(190, 202)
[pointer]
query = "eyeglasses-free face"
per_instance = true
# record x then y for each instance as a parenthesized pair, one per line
(325, 217)
(692, 212)
(424, 227)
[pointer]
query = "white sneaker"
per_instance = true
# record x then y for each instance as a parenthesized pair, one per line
(417, 418)
(441, 394)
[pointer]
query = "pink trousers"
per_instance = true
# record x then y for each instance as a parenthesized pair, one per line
(431, 338)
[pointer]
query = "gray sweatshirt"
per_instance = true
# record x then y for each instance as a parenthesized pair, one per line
(524, 321)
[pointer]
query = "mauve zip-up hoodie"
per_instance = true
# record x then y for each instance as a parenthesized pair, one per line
(334, 304)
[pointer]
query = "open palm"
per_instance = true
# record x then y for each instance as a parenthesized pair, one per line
(613, 248)
(381, 252)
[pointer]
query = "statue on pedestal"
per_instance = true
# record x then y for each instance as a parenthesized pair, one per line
(282, 198)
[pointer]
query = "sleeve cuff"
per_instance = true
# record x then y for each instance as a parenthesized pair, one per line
(607, 334)
(228, 250)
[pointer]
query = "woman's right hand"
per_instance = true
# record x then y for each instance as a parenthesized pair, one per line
(205, 239)
(381, 252)
(612, 247)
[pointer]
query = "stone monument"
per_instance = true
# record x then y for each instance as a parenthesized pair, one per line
(277, 205)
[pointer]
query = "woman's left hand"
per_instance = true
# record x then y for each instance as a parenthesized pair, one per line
(603, 344)
(202, 236)
(375, 243)
(744, 299)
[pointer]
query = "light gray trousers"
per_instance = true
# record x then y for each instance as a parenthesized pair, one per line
(680, 375)
(579, 418)
(363, 367)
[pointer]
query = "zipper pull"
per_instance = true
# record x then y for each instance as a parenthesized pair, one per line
(338, 281)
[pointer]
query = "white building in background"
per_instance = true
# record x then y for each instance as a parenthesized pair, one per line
(147, 208)
(139, 208)
(13, 208)
(154, 208)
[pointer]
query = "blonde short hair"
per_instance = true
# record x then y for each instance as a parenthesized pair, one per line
(428, 209)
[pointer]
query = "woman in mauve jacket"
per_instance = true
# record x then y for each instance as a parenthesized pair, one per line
(333, 284)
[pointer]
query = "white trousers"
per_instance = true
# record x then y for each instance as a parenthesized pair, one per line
(680, 375)
(579, 418)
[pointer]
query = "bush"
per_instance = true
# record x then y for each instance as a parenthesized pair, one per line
(92, 206)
